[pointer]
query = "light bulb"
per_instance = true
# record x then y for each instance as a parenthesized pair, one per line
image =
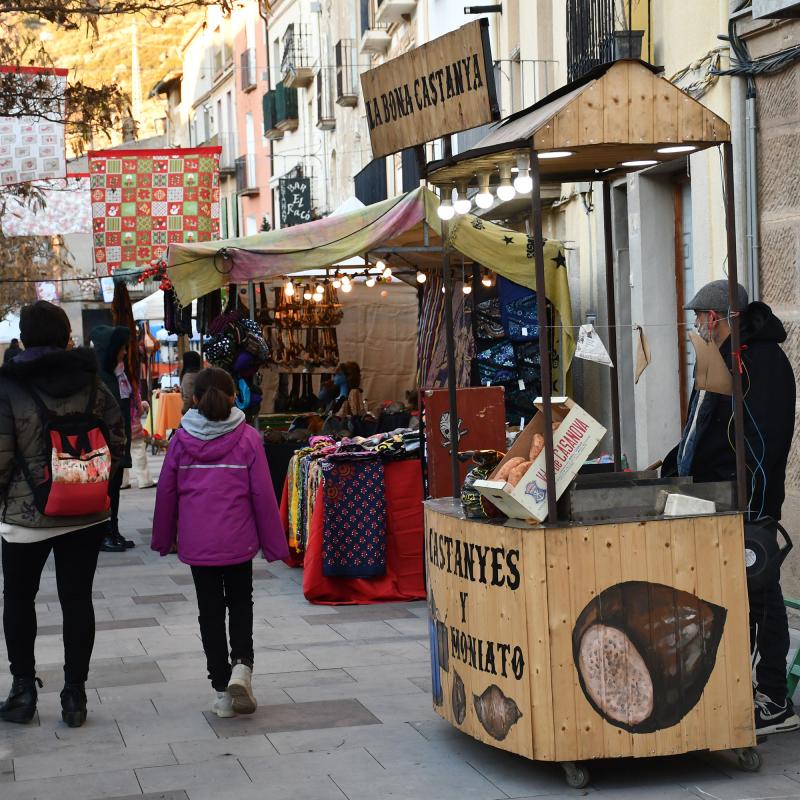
(380, 265)
(345, 281)
(319, 289)
(462, 205)
(288, 290)
(387, 274)
(484, 199)
(306, 295)
(421, 277)
(486, 280)
(317, 298)
(555, 154)
(347, 287)
(446, 210)
(642, 162)
(370, 281)
(337, 283)
(505, 190)
(523, 183)
(677, 148)
(466, 288)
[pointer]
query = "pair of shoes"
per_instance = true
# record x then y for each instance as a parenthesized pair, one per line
(223, 705)
(772, 717)
(73, 704)
(111, 545)
(240, 688)
(20, 705)
(120, 539)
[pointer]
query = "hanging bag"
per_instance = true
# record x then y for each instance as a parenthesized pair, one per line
(77, 462)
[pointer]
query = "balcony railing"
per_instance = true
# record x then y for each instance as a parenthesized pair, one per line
(297, 68)
(346, 73)
(247, 62)
(246, 181)
(374, 35)
(590, 35)
(326, 108)
(280, 111)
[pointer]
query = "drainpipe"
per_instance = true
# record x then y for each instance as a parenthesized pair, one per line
(754, 244)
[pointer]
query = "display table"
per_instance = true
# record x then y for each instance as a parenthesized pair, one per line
(167, 412)
(404, 579)
(572, 643)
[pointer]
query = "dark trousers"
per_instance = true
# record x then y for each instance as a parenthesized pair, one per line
(76, 561)
(218, 589)
(114, 491)
(769, 637)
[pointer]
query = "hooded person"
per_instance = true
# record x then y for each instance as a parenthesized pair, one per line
(216, 501)
(47, 381)
(111, 346)
(707, 454)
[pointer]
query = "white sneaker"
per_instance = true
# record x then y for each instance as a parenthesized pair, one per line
(223, 705)
(240, 688)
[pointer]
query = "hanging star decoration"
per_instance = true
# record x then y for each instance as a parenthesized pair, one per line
(508, 239)
(560, 260)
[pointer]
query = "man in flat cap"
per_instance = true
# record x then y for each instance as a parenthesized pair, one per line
(707, 453)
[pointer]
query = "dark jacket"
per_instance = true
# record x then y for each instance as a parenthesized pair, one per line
(63, 379)
(769, 389)
(107, 341)
(12, 352)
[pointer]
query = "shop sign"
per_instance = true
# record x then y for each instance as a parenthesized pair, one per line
(442, 87)
(295, 201)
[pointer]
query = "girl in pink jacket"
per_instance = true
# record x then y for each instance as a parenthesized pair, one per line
(215, 498)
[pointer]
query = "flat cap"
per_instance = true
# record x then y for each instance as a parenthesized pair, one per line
(714, 297)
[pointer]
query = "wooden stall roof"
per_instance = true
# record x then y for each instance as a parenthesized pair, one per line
(620, 112)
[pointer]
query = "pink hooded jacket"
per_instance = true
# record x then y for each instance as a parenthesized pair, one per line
(215, 495)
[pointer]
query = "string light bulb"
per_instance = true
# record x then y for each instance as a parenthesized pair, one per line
(446, 210)
(486, 280)
(462, 204)
(523, 183)
(505, 190)
(387, 272)
(288, 289)
(347, 287)
(370, 281)
(466, 288)
(319, 289)
(345, 281)
(421, 276)
(307, 294)
(484, 198)
(337, 284)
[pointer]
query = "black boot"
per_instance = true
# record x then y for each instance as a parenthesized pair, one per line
(20, 706)
(120, 539)
(111, 545)
(73, 704)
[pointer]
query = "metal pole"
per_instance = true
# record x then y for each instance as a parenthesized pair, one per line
(735, 323)
(544, 334)
(450, 344)
(611, 313)
(251, 299)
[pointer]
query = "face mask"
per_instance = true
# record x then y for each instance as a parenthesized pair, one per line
(703, 328)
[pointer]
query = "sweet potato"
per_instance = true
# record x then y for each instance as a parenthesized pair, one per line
(505, 469)
(516, 474)
(537, 445)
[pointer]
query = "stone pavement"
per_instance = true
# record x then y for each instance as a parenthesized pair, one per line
(345, 708)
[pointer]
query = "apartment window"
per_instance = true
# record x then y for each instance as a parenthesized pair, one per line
(250, 139)
(346, 68)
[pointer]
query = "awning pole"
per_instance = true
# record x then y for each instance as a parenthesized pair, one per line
(735, 323)
(450, 344)
(611, 313)
(544, 333)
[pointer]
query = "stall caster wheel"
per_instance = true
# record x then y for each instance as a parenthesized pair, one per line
(577, 775)
(749, 759)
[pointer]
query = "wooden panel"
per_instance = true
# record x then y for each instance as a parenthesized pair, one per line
(543, 138)
(665, 111)
(582, 590)
(690, 119)
(616, 100)
(438, 88)
(640, 86)
(561, 662)
(535, 564)
(740, 692)
(566, 127)
(477, 599)
(590, 114)
(608, 563)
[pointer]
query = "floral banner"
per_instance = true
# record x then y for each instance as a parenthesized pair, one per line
(67, 209)
(144, 200)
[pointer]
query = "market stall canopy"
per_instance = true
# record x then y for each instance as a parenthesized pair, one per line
(611, 120)
(152, 307)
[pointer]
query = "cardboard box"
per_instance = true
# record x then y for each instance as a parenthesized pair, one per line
(577, 436)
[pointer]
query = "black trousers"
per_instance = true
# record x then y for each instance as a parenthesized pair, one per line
(114, 490)
(218, 589)
(769, 637)
(76, 561)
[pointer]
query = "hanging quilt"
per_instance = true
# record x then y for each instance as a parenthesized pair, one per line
(354, 531)
(67, 210)
(32, 145)
(144, 200)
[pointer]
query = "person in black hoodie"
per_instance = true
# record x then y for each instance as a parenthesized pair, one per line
(111, 345)
(707, 453)
(65, 381)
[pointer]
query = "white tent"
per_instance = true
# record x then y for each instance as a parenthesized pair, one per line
(152, 307)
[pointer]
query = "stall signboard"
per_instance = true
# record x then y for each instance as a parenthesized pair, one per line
(442, 87)
(576, 436)
(295, 201)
